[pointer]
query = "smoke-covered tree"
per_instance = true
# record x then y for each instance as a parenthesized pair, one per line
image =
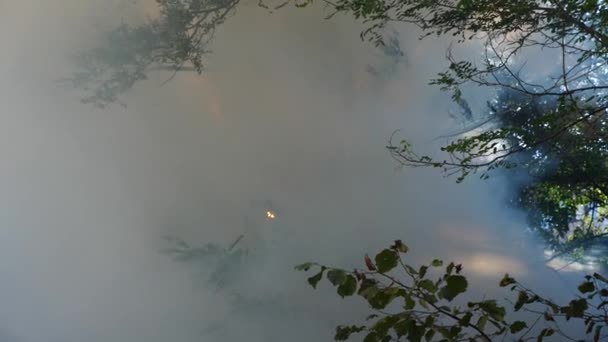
(565, 178)
(425, 303)
(551, 125)
(177, 39)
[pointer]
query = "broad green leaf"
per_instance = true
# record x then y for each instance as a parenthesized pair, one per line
(402, 327)
(336, 277)
(304, 267)
(466, 319)
(437, 263)
(449, 268)
(576, 308)
(427, 285)
(455, 285)
(368, 288)
(400, 246)
(586, 287)
(454, 331)
(522, 298)
(600, 278)
(383, 325)
(544, 333)
(429, 321)
(415, 332)
(348, 287)
(429, 335)
(506, 281)
(422, 271)
(314, 280)
(517, 326)
(372, 337)
(344, 332)
(380, 300)
(481, 322)
(386, 260)
(409, 303)
(493, 310)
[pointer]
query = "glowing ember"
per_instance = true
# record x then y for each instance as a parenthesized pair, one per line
(269, 215)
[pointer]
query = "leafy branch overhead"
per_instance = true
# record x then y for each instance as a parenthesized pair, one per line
(577, 33)
(178, 38)
(424, 303)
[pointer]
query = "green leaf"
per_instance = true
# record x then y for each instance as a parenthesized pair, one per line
(348, 287)
(371, 337)
(336, 277)
(429, 335)
(449, 268)
(344, 332)
(415, 332)
(517, 326)
(454, 331)
(422, 271)
(544, 333)
(428, 285)
(400, 246)
(409, 303)
(481, 322)
(314, 280)
(304, 267)
(386, 260)
(596, 334)
(522, 298)
(402, 327)
(437, 263)
(368, 288)
(380, 300)
(429, 321)
(496, 312)
(577, 308)
(506, 281)
(383, 325)
(455, 285)
(600, 278)
(466, 319)
(586, 287)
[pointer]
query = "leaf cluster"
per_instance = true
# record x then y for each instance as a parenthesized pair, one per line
(420, 303)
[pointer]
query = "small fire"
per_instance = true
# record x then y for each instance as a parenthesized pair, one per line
(270, 215)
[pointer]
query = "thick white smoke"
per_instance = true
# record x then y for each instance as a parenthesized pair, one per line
(286, 113)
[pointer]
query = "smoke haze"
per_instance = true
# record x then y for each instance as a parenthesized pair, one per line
(286, 114)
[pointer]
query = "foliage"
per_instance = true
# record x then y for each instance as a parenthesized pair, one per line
(226, 263)
(552, 126)
(179, 37)
(565, 197)
(392, 56)
(575, 30)
(422, 303)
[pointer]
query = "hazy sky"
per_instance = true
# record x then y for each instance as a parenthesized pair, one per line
(286, 113)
